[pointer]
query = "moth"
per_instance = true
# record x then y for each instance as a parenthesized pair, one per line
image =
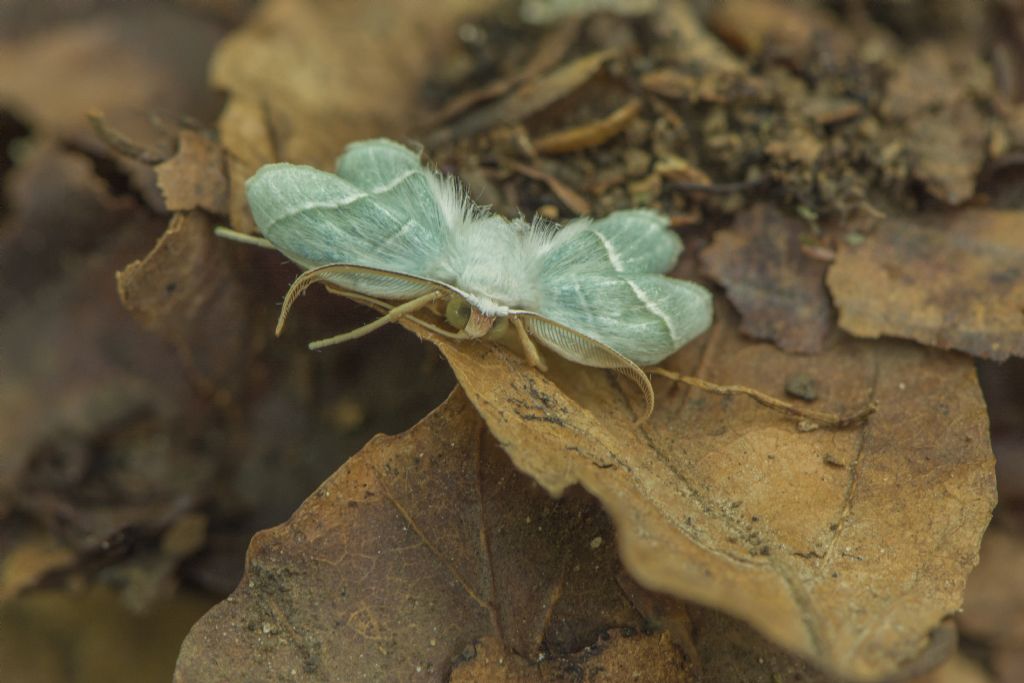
(388, 231)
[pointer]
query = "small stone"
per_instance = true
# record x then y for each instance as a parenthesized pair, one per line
(549, 211)
(803, 386)
(831, 460)
(643, 192)
(636, 162)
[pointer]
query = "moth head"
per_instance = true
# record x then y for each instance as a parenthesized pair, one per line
(463, 316)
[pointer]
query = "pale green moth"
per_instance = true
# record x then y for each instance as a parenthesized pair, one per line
(385, 229)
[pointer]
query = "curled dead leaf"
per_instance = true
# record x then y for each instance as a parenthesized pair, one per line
(82, 365)
(756, 26)
(86, 65)
(281, 109)
(550, 51)
(417, 547)
(30, 558)
(590, 134)
(722, 502)
(570, 197)
(186, 291)
(617, 656)
(529, 98)
(309, 114)
(195, 177)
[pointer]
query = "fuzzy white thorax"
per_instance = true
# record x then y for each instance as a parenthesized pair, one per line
(494, 261)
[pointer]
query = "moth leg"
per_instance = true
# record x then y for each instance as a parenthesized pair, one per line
(389, 317)
(235, 236)
(385, 306)
(533, 356)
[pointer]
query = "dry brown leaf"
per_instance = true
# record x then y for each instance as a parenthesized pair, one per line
(92, 405)
(781, 28)
(572, 199)
(947, 151)
(617, 656)
(926, 79)
(195, 177)
(690, 39)
(718, 647)
(779, 292)
(590, 134)
(123, 63)
(670, 82)
(845, 547)
(57, 208)
(29, 559)
(550, 51)
(955, 281)
(552, 11)
(930, 93)
(418, 546)
(994, 601)
(83, 364)
(529, 98)
(187, 292)
(370, 58)
(304, 78)
(89, 633)
(959, 669)
(1008, 665)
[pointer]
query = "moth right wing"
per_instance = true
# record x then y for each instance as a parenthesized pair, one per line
(629, 241)
(644, 317)
(579, 348)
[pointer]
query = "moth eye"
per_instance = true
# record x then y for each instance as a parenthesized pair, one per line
(498, 329)
(457, 312)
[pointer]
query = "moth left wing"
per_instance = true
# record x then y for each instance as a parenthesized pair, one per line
(367, 283)
(629, 241)
(397, 178)
(643, 317)
(316, 218)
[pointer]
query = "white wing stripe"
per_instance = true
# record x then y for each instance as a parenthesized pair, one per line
(397, 233)
(392, 184)
(582, 299)
(653, 309)
(318, 205)
(612, 256)
(351, 199)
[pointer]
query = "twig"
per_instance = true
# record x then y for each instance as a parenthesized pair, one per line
(121, 144)
(809, 419)
(716, 188)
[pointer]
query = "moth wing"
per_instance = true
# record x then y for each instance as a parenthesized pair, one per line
(643, 317)
(370, 163)
(396, 177)
(630, 241)
(374, 282)
(579, 348)
(317, 218)
(343, 278)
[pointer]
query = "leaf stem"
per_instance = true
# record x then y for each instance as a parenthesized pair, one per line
(809, 419)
